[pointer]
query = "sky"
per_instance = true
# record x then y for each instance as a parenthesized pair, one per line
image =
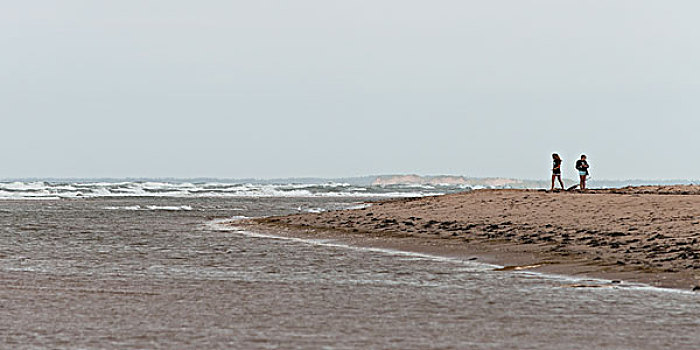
(323, 88)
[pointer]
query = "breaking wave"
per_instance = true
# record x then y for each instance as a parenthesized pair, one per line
(54, 190)
(151, 207)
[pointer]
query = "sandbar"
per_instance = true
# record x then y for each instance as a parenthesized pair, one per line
(648, 234)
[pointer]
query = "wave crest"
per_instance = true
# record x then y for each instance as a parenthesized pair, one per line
(47, 190)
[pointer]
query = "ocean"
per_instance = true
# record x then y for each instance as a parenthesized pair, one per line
(59, 190)
(153, 265)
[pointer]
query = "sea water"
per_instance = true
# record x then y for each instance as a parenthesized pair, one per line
(55, 190)
(161, 271)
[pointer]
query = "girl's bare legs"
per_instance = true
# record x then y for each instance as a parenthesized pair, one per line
(583, 181)
(552, 188)
(560, 182)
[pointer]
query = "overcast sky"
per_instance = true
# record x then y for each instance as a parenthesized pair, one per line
(328, 88)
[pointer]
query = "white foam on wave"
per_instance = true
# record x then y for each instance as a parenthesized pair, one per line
(321, 210)
(359, 206)
(34, 190)
(151, 207)
(24, 185)
(171, 208)
(132, 207)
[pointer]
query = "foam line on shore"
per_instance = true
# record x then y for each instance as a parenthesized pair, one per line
(225, 225)
(335, 244)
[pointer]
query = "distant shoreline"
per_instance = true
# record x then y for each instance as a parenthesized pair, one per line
(647, 234)
(371, 180)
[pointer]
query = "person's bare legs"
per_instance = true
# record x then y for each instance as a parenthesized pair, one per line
(553, 177)
(583, 182)
(558, 177)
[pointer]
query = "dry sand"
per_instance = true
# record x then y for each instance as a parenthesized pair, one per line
(639, 234)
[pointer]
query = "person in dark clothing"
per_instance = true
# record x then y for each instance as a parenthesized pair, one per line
(556, 171)
(582, 167)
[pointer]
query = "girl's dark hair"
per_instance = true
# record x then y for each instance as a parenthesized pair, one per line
(555, 156)
(583, 156)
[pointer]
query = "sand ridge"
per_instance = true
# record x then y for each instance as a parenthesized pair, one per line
(648, 234)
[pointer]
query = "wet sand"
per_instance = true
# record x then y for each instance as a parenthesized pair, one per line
(648, 234)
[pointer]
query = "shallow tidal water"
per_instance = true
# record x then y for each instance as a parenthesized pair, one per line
(145, 273)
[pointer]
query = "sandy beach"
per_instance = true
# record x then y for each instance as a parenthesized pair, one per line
(647, 234)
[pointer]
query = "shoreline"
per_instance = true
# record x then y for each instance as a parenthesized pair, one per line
(648, 235)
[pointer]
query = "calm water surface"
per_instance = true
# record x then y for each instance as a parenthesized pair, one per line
(148, 273)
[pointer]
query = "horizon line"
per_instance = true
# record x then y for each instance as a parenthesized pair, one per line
(229, 179)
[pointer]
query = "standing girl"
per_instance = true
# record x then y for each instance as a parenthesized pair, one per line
(582, 167)
(556, 171)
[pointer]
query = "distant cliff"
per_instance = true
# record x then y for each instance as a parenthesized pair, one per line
(445, 180)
